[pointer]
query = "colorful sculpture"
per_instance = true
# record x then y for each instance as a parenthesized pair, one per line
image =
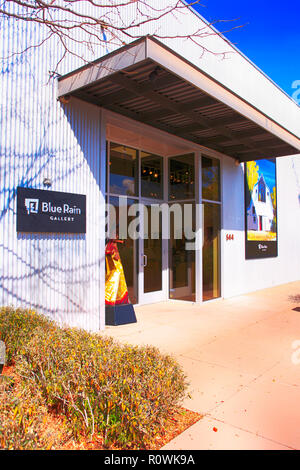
(116, 291)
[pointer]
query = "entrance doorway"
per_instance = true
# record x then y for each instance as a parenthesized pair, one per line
(135, 183)
(158, 253)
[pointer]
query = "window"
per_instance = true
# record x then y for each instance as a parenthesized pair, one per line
(261, 191)
(181, 177)
(210, 179)
(151, 176)
(211, 195)
(123, 170)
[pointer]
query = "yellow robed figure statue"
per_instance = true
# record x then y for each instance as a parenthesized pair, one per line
(116, 291)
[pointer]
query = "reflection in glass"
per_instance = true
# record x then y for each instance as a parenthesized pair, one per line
(151, 176)
(210, 179)
(181, 177)
(123, 170)
(153, 253)
(181, 263)
(210, 253)
(129, 249)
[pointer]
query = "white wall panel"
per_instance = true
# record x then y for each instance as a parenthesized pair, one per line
(57, 274)
(241, 275)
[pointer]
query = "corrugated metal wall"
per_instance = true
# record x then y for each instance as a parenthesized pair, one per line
(57, 274)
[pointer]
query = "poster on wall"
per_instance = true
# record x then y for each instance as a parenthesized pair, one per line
(261, 209)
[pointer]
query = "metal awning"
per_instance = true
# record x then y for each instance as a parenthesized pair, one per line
(148, 82)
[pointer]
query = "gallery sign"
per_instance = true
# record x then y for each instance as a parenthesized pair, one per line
(41, 211)
(261, 233)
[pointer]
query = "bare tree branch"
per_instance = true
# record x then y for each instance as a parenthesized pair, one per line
(89, 24)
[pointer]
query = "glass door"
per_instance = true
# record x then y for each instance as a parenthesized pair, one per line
(182, 258)
(156, 258)
(153, 245)
(153, 256)
(117, 208)
(181, 197)
(121, 196)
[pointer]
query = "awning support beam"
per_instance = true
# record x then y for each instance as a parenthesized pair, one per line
(140, 90)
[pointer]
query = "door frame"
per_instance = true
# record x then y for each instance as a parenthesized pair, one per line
(161, 295)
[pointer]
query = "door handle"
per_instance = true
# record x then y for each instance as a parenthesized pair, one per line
(145, 260)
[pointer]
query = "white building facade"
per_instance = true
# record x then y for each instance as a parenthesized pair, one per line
(150, 123)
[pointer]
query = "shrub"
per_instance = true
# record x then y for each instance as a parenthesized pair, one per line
(123, 392)
(23, 414)
(17, 327)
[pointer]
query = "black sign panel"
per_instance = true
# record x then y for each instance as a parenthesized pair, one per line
(40, 211)
(261, 233)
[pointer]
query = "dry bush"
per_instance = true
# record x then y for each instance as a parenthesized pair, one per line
(124, 393)
(23, 423)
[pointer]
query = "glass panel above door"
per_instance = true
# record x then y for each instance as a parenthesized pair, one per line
(181, 177)
(151, 176)
(123, 174)
(210, 179)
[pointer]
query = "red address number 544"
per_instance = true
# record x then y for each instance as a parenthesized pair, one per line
(229, 236)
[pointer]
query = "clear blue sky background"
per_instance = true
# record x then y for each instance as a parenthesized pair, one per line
(270, 37)
(267, 168)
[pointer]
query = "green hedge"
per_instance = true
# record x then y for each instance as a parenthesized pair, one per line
(123, 392)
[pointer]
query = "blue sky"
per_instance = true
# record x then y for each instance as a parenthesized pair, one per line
(270, 37)
(267, 168)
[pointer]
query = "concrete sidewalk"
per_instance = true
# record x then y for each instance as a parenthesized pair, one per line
(237, 354)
